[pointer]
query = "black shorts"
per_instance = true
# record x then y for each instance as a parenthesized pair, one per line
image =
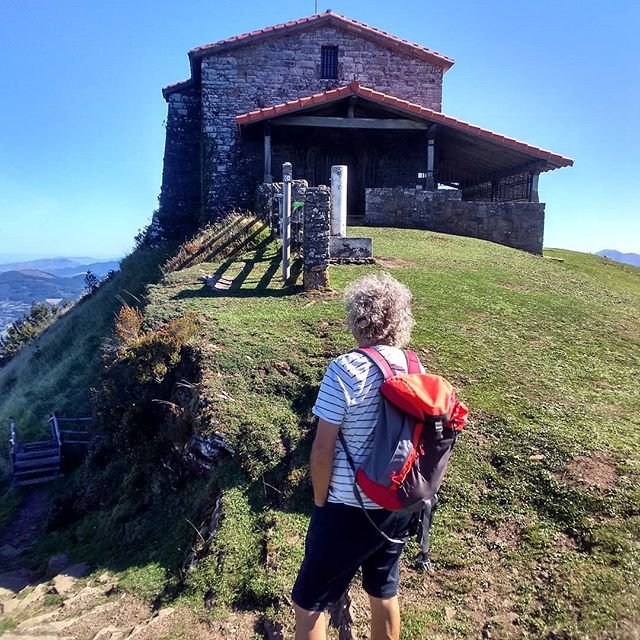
(341, 539)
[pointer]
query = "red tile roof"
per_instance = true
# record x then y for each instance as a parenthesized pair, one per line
(377, 35)
(554, 160)
(384, 38)
(176, 86)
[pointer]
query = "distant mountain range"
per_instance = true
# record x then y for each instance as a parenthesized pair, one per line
(627, 258)
(29, 285)
(54, 279)
(64, 267)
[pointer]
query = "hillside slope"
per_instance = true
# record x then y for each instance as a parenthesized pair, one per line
(538, 531)
(57, 371)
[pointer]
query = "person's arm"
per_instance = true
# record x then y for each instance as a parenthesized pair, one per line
(322, 453)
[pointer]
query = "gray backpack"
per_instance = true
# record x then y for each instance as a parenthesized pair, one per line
(418, 423)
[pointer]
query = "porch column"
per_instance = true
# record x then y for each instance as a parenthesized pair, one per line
(430, 182)
(533, 197)
(268, 178)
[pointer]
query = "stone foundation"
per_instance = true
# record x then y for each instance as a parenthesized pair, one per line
(348, 248)
(515, 224)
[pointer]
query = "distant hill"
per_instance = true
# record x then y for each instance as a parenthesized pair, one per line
(28, 285)
(22, 283)
(627, 258)
(18, 289)
(65, 267)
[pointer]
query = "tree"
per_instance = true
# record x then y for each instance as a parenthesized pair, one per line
(91, 282)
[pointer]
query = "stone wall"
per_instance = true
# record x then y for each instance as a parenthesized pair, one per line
(267, 208)
(278, 70)
(180, 195)
(317, 232)
(514, 224)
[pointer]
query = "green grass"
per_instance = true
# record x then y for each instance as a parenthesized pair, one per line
(546, 354)
(539, 526)
(7, 624)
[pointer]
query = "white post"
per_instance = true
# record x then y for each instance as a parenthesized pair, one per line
(287, 177)
(339, 178)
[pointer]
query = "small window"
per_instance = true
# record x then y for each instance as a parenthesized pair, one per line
(329, 63)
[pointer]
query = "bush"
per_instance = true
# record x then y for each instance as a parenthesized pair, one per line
(139, 385)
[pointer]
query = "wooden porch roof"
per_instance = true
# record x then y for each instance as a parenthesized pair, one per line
(468, 148)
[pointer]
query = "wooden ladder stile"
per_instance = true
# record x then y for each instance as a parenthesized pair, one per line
(41, 461)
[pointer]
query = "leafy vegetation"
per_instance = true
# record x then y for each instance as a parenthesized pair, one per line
(539, 527)
(25, 330)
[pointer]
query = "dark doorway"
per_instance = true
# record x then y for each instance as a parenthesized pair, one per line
(325, 159)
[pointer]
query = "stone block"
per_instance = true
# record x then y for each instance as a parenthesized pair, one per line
(348, 247)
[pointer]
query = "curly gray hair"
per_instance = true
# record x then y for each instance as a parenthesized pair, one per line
(379, 311)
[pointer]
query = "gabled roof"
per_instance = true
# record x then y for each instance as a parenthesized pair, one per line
(328, 18)
(552, 160)
(335, 19)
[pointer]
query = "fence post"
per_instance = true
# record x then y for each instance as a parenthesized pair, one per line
(287, 177)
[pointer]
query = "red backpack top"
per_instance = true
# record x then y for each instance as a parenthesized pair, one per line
(418, 423)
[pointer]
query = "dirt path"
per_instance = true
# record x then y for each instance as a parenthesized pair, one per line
(25, 527)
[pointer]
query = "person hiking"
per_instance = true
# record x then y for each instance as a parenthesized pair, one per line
(342, 537)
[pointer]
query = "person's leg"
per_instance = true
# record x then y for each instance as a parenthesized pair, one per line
(310, 625)
(385, 618)
(381, 576)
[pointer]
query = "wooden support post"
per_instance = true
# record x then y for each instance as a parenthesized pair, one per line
(268, 178)
(430, 181)
(533, 193)
(431, 163)
(287, 179)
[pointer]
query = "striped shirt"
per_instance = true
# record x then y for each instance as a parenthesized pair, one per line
(349, 396)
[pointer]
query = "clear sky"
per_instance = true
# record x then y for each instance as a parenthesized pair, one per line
(81, 110)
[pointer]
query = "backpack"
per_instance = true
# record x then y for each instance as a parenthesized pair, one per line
(418, 423)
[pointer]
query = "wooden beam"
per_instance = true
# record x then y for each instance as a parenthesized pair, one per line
(349, 123)
(267, 153)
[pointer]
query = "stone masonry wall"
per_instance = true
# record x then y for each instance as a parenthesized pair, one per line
(317, 232)
(514, 224)
(180, 195)
(267, 208)
(275, 71)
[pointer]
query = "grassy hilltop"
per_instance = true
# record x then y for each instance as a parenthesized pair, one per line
(538, 533)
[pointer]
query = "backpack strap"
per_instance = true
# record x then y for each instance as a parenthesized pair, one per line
(413, 364)
(423, 538)
(356, 493)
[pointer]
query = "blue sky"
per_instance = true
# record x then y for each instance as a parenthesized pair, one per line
(81, 110)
